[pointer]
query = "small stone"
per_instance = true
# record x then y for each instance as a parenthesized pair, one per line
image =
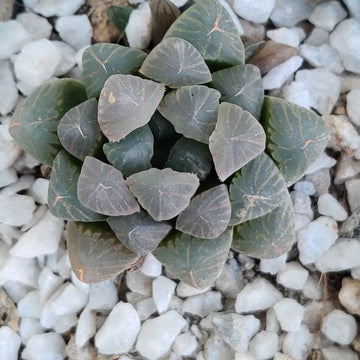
(297, 343)
(119, 331)
(162, 289)
(264, 345)
(336, 353)
(146, 308)
(293, 276)
(306, 187)
(244, 356)
(102, 296)
(75, 30)
(9, 343)
(273, 266)
(321, 180)
(7, 176)
(272, 323)
(185, 344)
(39, 190)
(49, 8)
(281, 356)
(302, 204)
(289, 313)
(344, 255)
(29, 306)
(8, 91)
(317, 37)
(13, 36)
(324, 161)
(133, 298)
(139, 27)
(48, 283)
(157, 335)
(257, 11)
(287, 36)
(346, 169)
(9, 149)
(65, 323)
(314, 312)
(15, 289)
(354, 8)
(316, 238)
(215, 349)
(353, 195)
(352, 106)
(185, 290)
(29, 328)
(257, 296)
(151, 266)
(37, 62)
(203, 304)
(343, 38)
(49, 346)
(68, 60)
(236, 330)
(36, 25)
(323, 56)
(230, 281)
(86, 327)
(327, 15)
(349, 295)
(313, 288)
(339, 327)
(16, 210)
(328, 205)
(252, 31)
(278, 75)
(64, 266)
(297, 93)
(355, 273)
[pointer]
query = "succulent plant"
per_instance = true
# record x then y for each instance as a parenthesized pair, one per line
(177, 153)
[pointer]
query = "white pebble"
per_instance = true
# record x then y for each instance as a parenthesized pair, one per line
(336, 353)
(157, 335)
(293, 276)
(86, 327)
(352, 106)
(289, 313)
(353, 194)
(287, 36)
(257, 11)
(39, 190)
(327, 15)
(136, 281)
(257, 296)
(316, 238)
(151, 266)
(7, 177)
(264, 345)
(329, 206)
(306, 187)
(54, 8)
(65, 323)
(185, 344)
(230, 280)
(297, 93)
(9, 343)
(64, 266)
(272, 323)
(85, 288)
(324, 161)
(29, 306)
(36, 25)
(15, 289)
(302, 204)
(146, 308)
(354, 8)
(317, 37)
(102, 296)
(346, 169)
(162, 289)
(28, 328)
(297, 344)
(68, 60)
(339, 327)
(8, 91)
(203, 304)
(215, 349)
(273, 266)
(185, 290)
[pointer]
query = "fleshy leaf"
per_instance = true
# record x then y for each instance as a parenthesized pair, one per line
(34, 124)
(175, 62)
(79, 130)
(133, 153)
(126, 103)
(102, 188)
(62, 195)
(190, 156)
(256, 189)
(197, 262)
(208, 214)
(119, 15)
(139, 232)
(95, 252)
(161, 128)
(192, 110)
(268, 236)
(208, 26)
(102, 60)
(241, 85)
(237, 139)
(163, 193)
(295, 136)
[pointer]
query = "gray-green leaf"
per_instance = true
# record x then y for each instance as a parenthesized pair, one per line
(268, 236)
(237, 139)
(295, 136)
(102, 188)
(256, 189)
(139, 232)
(190, 156)
(133, 153)
(126, 103)
(62, 195)
(163, 193)
(241, 85)
(208, 214)
(192, 110)
(208, 26)
(79, 130)
(175, 62)
(197, 262)
(102, 60)
(95, 252)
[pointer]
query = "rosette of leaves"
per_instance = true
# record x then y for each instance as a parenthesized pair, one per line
(177, 153)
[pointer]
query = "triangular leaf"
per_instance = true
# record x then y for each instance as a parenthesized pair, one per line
(102, 60)
(295, 136)
(192, 110)
(256, 189)
(139, 232)
(208, 214)
(119, 15)
(102, 188)
(175, 62)
(241, 85)
(190, 156)
(237, 139)
(126, 103)
(95, 252)
(62, 196)
(34, 124)
(197, 262)
(268, 236)
(133, 153)
(208, 26)
(79, 130)
(163, 193)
